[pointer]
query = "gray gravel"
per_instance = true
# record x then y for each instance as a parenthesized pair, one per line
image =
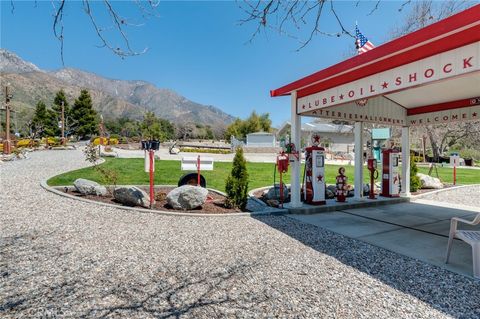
(64, 258)
(465, 195)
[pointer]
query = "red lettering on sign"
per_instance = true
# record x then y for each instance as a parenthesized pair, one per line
(351, 93)
(398, 81)
(317, 102)
(464, 115)
(436, 119)
(332, 99)
(361, 91)
(445, 118)
(447, 68)
(412, 77)
(324, 100)
(466, 62)
(327, 112)
(454, 117)
(371, 89)
(428, 73)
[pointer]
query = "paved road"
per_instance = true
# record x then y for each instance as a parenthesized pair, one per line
(64, 258)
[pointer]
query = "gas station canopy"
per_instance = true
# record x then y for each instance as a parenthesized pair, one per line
(426, 77)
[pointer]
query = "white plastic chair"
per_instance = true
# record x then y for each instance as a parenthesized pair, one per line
(471, 237)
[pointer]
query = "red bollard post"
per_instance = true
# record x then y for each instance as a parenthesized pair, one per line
(454, 174)
(281, 190)
(198, 170)
(152, 192)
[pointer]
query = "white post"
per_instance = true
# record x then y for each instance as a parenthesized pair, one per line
(405, 161)
(296, 124)
(358, 135)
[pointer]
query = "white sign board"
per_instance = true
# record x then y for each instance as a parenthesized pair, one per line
(147, 163)
(441, 66)
(189, 163)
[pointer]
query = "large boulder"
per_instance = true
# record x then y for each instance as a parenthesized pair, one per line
(274, 192)
(131, 196)
(87, 187)
(187, 197)
(429, 181)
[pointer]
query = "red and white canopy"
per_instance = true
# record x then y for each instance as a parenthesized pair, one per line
(425, 77)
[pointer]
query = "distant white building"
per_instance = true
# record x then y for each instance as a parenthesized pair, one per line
(261, 139)
(334, 137)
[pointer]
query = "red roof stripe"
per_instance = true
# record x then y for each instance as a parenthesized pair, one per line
(411, 41)
(442, 45)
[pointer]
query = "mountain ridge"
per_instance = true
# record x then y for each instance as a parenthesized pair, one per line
(113, 98)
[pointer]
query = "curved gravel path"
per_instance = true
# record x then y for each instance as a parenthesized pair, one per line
(63, 258)
(469, 195)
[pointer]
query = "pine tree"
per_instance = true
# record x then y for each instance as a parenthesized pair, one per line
(236, 185)
(84, 117)
(43, 122)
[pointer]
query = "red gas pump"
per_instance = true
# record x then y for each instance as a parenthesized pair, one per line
(341, 185)
(372, 167)
(282, 167)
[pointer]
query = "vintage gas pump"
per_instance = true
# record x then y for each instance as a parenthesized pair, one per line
(390, 174)
(314, 173)
(341, 185)
(372, 167)
(282, 167)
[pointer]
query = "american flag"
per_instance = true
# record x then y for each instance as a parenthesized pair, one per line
(361, 42)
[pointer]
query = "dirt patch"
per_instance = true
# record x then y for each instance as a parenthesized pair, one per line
(215, 203)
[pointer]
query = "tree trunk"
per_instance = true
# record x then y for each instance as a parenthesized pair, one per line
(433, 143)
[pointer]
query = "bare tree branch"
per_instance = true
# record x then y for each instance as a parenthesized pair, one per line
(283, 15)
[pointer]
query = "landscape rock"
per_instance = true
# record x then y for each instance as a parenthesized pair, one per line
(332, 188)
(329, 194)
(187, 197)
(274, 192)
(9, 157)
(131, 196)
(273, 203)
(88, 187)
(429, 181)
(108, 154)
(174, 151)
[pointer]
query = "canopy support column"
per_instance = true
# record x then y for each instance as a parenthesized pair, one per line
(296, 124)
(405, 161)
(358, 135)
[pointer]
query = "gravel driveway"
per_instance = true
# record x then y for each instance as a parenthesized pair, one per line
(64, 258)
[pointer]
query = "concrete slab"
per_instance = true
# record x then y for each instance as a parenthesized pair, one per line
(333, 205)
(426, 247)
(346, 224)
(417, 230)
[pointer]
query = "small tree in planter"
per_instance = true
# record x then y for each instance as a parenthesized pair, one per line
(236, 184)
(109, 176)
(415, 183)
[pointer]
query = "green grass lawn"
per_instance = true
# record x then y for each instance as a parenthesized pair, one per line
(131, 172)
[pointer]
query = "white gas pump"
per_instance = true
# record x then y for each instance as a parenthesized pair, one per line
(315, 173)
(390, 173)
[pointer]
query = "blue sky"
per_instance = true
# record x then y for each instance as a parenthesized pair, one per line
(195, 48)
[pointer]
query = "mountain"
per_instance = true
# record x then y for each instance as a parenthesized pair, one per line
(112, 98)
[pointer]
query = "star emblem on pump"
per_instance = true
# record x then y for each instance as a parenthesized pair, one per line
(319, 178)
(384, 85)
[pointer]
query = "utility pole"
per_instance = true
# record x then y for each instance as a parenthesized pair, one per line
(7, 144)
(63, 124)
